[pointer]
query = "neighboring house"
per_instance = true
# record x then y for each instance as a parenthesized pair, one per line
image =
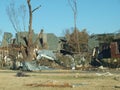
(52, 41)
(19, 37)
(93, 42)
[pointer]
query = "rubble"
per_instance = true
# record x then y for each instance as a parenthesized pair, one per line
(32, 66)
(46, 54)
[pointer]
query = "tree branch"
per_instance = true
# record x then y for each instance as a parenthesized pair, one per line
(71, 5)
(36, 8)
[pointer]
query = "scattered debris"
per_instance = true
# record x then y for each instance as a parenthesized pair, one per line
(78, 84)
(117, 78)
(32, 66)
(104, 74)
(46, 54)
(117, 86)
(101, 67)
(21, 74)
(77, 75)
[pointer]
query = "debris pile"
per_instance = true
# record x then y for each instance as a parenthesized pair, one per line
(33, 66)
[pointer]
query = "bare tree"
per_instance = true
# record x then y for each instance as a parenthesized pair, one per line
(16, 15)
(0, 31)
(0, 34)
(30, 32)
(73, 5)
(30, 21)
(73, 42)
(13, 16)
(22, 9)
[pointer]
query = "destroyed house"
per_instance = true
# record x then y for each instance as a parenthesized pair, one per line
(101, 40)
(108, 44)
(49, 38)
(6, 39)
(20, 36)
(52, 40)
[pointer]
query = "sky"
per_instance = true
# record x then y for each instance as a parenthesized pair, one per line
(55, 16)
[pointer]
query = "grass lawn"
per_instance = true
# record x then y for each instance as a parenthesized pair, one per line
(39, 80)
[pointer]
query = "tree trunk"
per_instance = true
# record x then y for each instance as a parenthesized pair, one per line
(30, 24)
(30, 45)
(30, 33)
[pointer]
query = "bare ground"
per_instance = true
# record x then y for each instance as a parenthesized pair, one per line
(60, 79)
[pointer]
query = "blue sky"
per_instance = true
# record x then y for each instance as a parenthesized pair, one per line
(55, 16)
